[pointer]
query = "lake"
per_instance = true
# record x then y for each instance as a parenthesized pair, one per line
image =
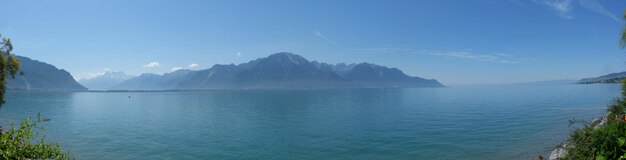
(464, 122)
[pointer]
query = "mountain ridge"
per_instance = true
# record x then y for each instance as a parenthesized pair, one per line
(608, 78)
(282, 70)
(41, 76)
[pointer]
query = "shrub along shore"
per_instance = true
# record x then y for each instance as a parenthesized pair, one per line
(601, 139)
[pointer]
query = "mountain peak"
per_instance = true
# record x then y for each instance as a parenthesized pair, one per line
(365, 64)
(106, 80)
(287, 57)
(282, 54)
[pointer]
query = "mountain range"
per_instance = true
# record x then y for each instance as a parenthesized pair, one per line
(279, 71)
(36, 75)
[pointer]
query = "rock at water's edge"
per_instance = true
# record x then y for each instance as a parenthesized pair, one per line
(559, 152)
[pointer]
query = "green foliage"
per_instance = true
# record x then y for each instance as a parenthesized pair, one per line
(617, 109)
(19, 143)
(9, 65)
(603, 142)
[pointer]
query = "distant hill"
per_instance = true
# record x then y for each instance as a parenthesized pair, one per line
(609, 78)
(280, 70)
(36, 75)
(105, 81)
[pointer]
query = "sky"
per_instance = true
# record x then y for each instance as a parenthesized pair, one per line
(453, 41)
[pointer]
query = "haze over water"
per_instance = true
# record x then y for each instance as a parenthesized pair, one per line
(466, 122)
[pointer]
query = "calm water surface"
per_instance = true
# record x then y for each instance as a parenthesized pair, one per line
(469, 122)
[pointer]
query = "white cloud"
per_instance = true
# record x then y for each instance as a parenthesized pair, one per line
(562, 7)
(176, 68)
(496, 58)
(238, 54)
(322, 36)
(151, 64)
(193, 65)
(593, 5)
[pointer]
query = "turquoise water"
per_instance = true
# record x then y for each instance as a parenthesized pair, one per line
(468, 122)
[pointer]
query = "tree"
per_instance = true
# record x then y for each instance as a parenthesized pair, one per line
(18, 142)
(9, 65)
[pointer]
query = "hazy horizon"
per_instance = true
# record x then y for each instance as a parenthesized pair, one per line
(466, 42)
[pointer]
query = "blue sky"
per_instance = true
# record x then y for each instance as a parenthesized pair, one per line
(455, 41)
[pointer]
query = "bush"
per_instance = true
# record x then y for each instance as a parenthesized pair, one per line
(607, 141)
(603, 142)
(20, 143)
